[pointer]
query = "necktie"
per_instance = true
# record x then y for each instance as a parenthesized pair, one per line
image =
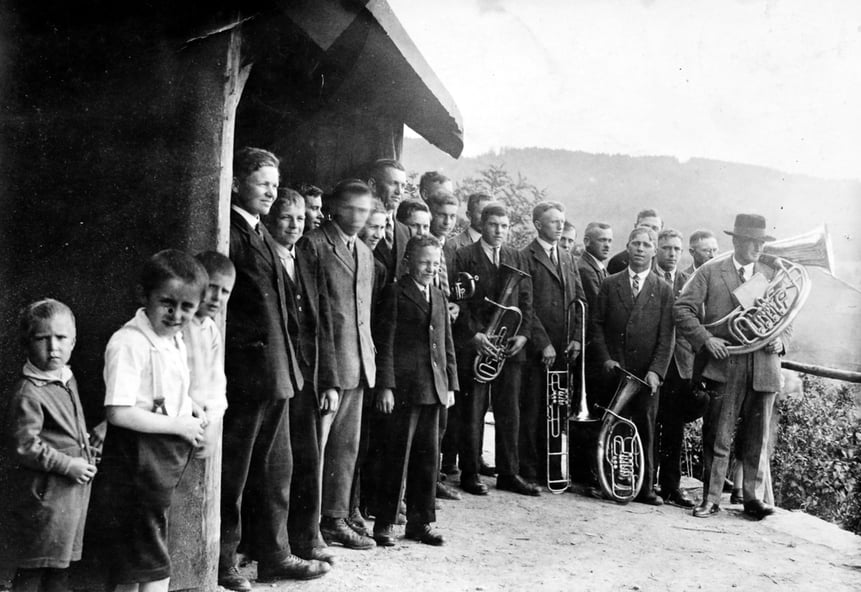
(603, 274)
(350, 245)
(442, 277)
(669, 277)
(554, 257)
(636, 285)
(289, 267)
(257, 230)
(390, 229)
(741, 274)
(426, 293)
(496, 256)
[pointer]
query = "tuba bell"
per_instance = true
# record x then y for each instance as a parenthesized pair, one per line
(503, 325)
(753, 326)
(619, 450)
(464, 287)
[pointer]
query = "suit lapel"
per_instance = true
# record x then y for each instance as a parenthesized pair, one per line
(647, 291)
(541, 256)
(339, 247)
(254, 239)
(730, 278)
(623, 291)
(411, 291)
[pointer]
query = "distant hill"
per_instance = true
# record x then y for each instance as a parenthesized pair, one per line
(699, 193)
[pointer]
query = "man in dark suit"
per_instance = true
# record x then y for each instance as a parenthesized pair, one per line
(632, 328)
(348, 269)
(676, 404)
(306, 292)
(387, 180)
(263, 373)
(555, 341)
(645, 219)
(741, 385)
(703, 246)
(474, 205)
(414, 385)
(597, 240)
(485, 259)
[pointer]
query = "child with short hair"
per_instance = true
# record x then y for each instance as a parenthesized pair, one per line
(414, 383)
(206, 348)
(153, 423)
(54, 465)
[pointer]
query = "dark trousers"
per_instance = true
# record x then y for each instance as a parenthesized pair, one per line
(41, 579)
(369, 460)
(450, 444)
(339, 440)
(644, 414)
(412, 461)
(727, 401)
(675, 396)
(303, 523)
(257, 459)
(505, 391)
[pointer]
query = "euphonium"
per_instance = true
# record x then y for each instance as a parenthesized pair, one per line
(503, 325)
(753, 327)
(621, 463)
(463, 287)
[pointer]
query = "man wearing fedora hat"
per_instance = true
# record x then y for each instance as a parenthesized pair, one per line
(740, 385)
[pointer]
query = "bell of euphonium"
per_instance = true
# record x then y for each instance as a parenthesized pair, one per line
(753, 326)
(504, 324)
(620, 458)
(463, 287)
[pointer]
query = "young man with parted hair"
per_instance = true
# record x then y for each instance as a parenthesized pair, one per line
(485, 259)
(597, 241)
(433, 182)
(647, 218)
(474, 206)
(555, 341)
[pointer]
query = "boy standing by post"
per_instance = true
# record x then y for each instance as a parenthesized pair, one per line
(263, 373)
(414, 386)
(49, 436)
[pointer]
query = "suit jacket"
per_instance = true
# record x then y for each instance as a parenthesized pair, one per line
(349, 282)
(590, 278)
(316, 341)
(393, 259)
(423, 370)
(461, 240)
(476, 312)
(683, 354)
(636, 333)
(553, 291)
(708, 298)
(260, 360)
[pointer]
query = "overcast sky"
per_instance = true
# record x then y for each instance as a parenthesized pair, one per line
(774, 83)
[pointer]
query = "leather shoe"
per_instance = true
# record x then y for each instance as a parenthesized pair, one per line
(485, 469)
(317, 553)
(443, 491)
(423, 533)
(384, 534)
(516, 484)
(706, 509)
(758, 509)
(650, 499)
(450, 470)
(470, 483)
(335, 530)
(679, 497)
(736, 497)
(231, 579)
(357, 523)
(292, 568)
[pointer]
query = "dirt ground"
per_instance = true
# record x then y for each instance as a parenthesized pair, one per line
(505, 541)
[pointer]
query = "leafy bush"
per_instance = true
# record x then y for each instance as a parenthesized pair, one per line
(816, 465)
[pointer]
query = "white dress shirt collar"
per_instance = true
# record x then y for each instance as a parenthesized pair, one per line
(748, 269)
(250, 218)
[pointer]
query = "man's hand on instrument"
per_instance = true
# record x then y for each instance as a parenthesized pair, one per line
(548, 355)
(453, 311)
(611, 365)
(654, 381)
(329, 401)
(775, 346)
(483, 345)
(385, 401)
(514, 345)
(716, 346)
(572, 351)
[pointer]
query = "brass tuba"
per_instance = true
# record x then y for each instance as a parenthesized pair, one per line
(464, 287)
(621, 460)
(753, 326)
(503, 325)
